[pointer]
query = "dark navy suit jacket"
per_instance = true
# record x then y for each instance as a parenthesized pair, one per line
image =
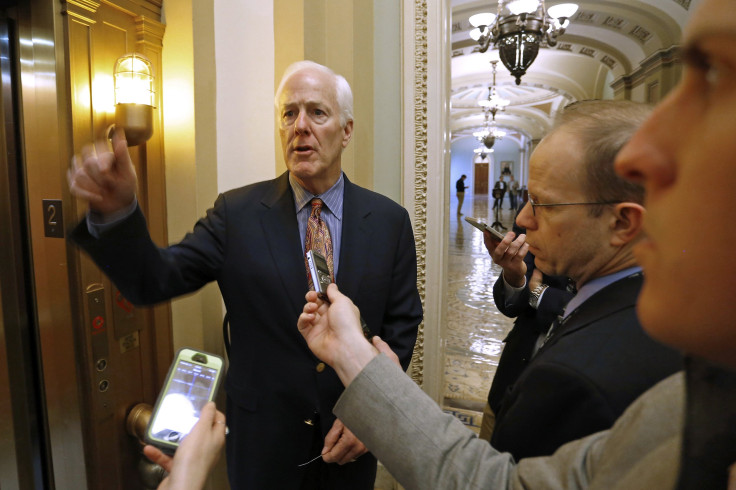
(529, 324)
(249, 243)
(595, 364)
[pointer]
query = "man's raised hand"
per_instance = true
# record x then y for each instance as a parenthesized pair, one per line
(105, 179)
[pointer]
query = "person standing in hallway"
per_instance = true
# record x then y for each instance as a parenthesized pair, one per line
(499, 189)
(460, 190)
(514, 193)
(679, 434)
(253, 243)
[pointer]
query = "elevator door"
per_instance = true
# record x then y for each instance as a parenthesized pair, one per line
(75, 357)
(24, 458)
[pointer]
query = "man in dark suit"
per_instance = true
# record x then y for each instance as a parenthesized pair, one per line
(582, 222)
(252, 242)
(538, 305)
(534, 310)
(501, 186)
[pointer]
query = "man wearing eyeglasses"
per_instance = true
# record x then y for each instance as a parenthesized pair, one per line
(679, 434)
(581, 222)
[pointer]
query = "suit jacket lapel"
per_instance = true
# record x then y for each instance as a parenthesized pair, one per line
(356, 232)
(281, 230)
(614, 297)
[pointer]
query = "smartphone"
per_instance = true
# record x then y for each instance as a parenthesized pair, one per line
(319, 271)
(193, 379)
(482, 226)
(321, 279)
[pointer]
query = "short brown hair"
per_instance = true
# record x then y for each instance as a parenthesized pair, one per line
(603, 127)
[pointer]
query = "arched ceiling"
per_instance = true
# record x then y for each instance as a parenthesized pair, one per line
(605, 41)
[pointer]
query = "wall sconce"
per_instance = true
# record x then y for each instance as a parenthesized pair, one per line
(134, 97)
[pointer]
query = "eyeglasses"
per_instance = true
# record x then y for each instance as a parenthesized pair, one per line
(536, 204)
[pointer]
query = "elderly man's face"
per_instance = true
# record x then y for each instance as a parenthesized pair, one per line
(565, 240)
(312, 137)
(685, 156)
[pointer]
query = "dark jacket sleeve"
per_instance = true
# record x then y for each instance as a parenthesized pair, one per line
(147, 274)
(565, 406)
(512, 310)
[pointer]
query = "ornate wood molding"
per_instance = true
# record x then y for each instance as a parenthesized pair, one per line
(82, 11)
(149, 31)
(655, 63)
(420, 173)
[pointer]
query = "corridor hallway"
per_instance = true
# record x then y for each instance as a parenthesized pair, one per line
(475, 329)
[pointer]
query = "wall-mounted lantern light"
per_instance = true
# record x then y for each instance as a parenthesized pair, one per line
(134, 97)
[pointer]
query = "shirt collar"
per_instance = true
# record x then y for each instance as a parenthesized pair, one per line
(593, 286)
(332, 198)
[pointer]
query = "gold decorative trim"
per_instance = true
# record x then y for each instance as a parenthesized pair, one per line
(81, 10)
(89, 5)
(420, 173)
(149, 31)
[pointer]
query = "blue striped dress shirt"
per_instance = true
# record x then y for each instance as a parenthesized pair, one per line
(331, 213)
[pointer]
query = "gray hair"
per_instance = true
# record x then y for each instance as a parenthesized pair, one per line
(343, 93)
(603, 127)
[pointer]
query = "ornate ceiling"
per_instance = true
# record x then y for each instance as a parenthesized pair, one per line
(605, 41)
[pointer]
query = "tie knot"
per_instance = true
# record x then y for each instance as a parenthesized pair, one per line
(316, 206)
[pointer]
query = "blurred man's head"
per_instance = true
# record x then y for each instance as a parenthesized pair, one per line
(315, 109)
(582, 219)
(685, 156)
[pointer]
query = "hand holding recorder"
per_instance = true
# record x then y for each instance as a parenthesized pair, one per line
(321, 278)
(333, 332)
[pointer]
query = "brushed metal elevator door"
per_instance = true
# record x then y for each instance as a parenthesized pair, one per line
(24, 457)
(63, 404)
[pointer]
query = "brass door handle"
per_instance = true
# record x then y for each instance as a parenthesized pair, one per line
(136, 423)
(137, 420)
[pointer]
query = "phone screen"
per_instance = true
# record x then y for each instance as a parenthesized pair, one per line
(189, 389)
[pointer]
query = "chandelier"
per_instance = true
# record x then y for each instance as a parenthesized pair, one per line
(518, 29)
(495, 102)
(491, 133)
(491, 106)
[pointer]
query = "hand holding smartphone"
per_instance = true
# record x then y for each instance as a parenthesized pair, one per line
(483, 226)
(321, 278)
(192, 381)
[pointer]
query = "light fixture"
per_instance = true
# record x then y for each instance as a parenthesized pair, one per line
(491, 105)
(134, 97)
(494, 102)
(491, 133)
(518, 29)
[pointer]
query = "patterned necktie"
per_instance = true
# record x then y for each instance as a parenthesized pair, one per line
(317, 239)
